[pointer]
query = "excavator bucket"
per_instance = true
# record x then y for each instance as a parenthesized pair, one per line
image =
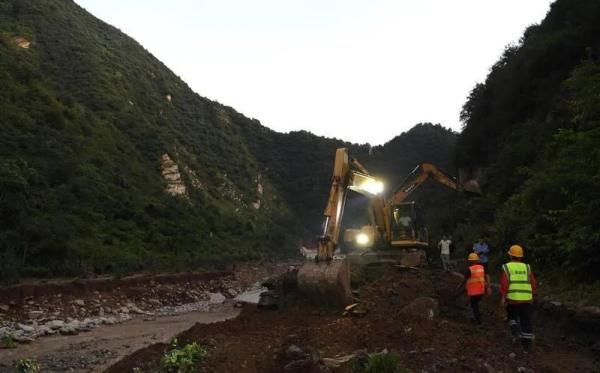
(326, 283)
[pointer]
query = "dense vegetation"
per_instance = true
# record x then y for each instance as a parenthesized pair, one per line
(534, 127)
(86, 117)
(85, 121)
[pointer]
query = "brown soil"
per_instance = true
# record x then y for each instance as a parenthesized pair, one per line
(449, 342)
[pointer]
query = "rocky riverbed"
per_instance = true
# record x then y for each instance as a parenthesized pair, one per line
(46, 325)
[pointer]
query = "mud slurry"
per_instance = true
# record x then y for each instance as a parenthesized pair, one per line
(256, 341)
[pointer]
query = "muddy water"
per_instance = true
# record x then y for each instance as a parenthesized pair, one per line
(252, 295)
(97, 350)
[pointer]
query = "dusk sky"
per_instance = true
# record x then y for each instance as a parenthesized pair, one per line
(363, 71)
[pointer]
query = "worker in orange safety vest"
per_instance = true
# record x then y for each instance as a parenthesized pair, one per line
(476, 284)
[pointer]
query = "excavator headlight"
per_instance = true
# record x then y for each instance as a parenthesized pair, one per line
(365, 184)
(373, 186)
(362, 239)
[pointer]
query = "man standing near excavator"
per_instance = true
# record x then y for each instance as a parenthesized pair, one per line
(444, 246)
(517, 288)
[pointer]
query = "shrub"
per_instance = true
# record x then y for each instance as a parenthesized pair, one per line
(384, 363)
(8, 341)
(27, 366)
(182, 360)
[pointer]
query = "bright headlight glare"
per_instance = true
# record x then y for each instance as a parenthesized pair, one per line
(372, 186)
(362, 239)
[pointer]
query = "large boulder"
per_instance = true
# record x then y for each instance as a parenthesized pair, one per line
(422, 307)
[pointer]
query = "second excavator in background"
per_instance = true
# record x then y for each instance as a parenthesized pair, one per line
(395, 234)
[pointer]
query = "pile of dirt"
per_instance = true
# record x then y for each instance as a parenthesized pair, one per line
(425, 339)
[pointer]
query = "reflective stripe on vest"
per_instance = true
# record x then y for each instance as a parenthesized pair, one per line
(476, 283)
(519, 286)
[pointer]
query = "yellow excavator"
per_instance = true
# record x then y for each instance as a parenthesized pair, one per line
(393, 226)
(327, 279)
(394, 233)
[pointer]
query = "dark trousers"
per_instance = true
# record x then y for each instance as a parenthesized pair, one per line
(475, 299)
(520, 320)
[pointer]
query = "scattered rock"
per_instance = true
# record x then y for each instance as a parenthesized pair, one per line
(4, 308)
(231, 292)
(79, 302)
(68, 330)
(26, 328)
(216, 298)
(35, 314)
(422, 307)
(22, 339)
(294, 352)
(55, 324)
(338, 361)
(512, 355)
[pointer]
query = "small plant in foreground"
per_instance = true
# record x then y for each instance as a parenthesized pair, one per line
(27, 366)
(384, 363)
(183, 359)
(8, 341)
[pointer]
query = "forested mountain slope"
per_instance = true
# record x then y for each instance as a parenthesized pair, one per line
(534, 127)
(111, 163)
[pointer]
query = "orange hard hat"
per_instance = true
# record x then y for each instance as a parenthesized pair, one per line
(473, 257)
(516, 251)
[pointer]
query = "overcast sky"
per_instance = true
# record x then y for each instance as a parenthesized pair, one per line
(360, 70)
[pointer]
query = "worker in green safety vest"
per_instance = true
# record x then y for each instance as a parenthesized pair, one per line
(517, 288)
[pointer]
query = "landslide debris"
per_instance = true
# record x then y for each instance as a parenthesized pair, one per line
(302, 336)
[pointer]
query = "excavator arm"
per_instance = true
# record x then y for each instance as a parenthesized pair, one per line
(327, 280)
(425, 171)
(348, 174)
(335, 205)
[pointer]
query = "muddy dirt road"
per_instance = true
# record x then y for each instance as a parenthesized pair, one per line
(97, 350)
(413, 314)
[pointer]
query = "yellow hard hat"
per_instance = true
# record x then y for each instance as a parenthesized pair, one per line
(516, 251)
(473, 257)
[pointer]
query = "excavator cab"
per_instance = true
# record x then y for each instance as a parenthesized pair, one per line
(403, 222)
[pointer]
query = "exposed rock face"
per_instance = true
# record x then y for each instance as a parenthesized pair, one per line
(170, 171)
(22, 42)
(259, 193)
(196, 183)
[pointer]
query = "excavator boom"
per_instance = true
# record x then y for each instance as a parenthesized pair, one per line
(327, 279)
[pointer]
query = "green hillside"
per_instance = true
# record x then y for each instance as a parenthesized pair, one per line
(534, 128)
(87, 117)
(111, 163)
